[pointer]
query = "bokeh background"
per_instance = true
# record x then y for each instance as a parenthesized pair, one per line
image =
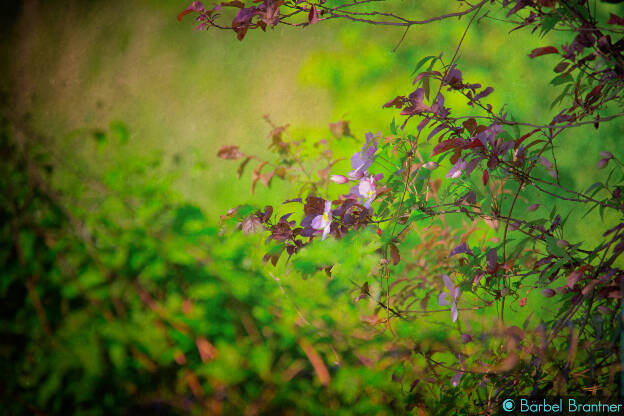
(76, 65)
(108, 86)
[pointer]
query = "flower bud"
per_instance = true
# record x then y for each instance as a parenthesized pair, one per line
(606, 155)
(549, 293)
(340, 179)
(430, 165)
(602, 163)
(532, 207)
(562, 243)
(355, 175)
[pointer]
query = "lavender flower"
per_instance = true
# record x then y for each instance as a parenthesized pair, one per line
(361, 161)
(454, 292)
(367, 189)
(323, 222)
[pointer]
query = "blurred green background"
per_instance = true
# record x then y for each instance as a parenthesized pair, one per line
(76, 65)
(72, 67)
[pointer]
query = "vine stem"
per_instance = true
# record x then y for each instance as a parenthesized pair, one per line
(513, 203)
(413, 144)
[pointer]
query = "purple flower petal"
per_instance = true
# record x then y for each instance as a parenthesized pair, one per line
(317, 222)
(442, 301)
(447, 282)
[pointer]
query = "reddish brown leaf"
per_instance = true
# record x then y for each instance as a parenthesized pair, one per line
(561, 66)
(473, 144)
(574, 277)
(340, 129)
(234, 3)
(590, 286)
(470, 125)
(519, 140)
(314, 205)
(486, 177)
(266, 178)
(255, 176)
(317, 362)
(394, 254)
(595, 92)
(615, 20)
(240, 32)
(397, 102)
(543, 51)
(313, 15)
(241, 167)
(184, 13)
(194, 384)
(229, 152)
(207, 351)
(448, 144)
(480, 129)
(456, 156)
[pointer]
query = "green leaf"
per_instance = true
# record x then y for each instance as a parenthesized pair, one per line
(553, 212)
(555, 250)
(561, 96)
(548, 23)
(562, 79)
(422, 62)
(597, 185)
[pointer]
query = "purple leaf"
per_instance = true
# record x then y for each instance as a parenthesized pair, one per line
(423, 123)
(435, 131)
(462, 248)
(491, 260)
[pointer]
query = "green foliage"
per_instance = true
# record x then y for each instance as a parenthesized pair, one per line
(119, 296)
(136, 304)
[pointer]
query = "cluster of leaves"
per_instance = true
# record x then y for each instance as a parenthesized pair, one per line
(484, 247)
